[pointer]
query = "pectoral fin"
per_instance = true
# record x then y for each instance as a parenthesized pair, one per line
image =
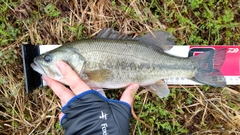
(99, 75)
(160, 88)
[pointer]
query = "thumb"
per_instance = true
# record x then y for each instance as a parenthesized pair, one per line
(129, 93)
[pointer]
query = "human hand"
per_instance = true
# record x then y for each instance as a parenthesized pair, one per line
(85, 111)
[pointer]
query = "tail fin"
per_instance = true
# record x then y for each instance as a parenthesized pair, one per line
(209, 65)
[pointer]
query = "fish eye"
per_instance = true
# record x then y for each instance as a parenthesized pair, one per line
(47, 58)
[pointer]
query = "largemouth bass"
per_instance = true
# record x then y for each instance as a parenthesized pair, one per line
(113, 60)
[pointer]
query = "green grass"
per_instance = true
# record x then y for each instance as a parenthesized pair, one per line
(195, 110)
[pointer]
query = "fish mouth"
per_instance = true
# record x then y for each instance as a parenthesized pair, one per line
(36, 67)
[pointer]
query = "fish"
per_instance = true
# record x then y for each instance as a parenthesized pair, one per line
(113, 60)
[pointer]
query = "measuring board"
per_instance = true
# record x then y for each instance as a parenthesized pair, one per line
(230, 68)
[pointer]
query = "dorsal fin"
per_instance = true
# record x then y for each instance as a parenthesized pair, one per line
(111, 34)
(162, 39)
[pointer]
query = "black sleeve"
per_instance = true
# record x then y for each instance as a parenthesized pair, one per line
(92, 114)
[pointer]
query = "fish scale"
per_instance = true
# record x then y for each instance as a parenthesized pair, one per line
(126, 63)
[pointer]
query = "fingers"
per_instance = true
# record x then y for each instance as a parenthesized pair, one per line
(73, 80)
(60, 90)
(129, 93)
